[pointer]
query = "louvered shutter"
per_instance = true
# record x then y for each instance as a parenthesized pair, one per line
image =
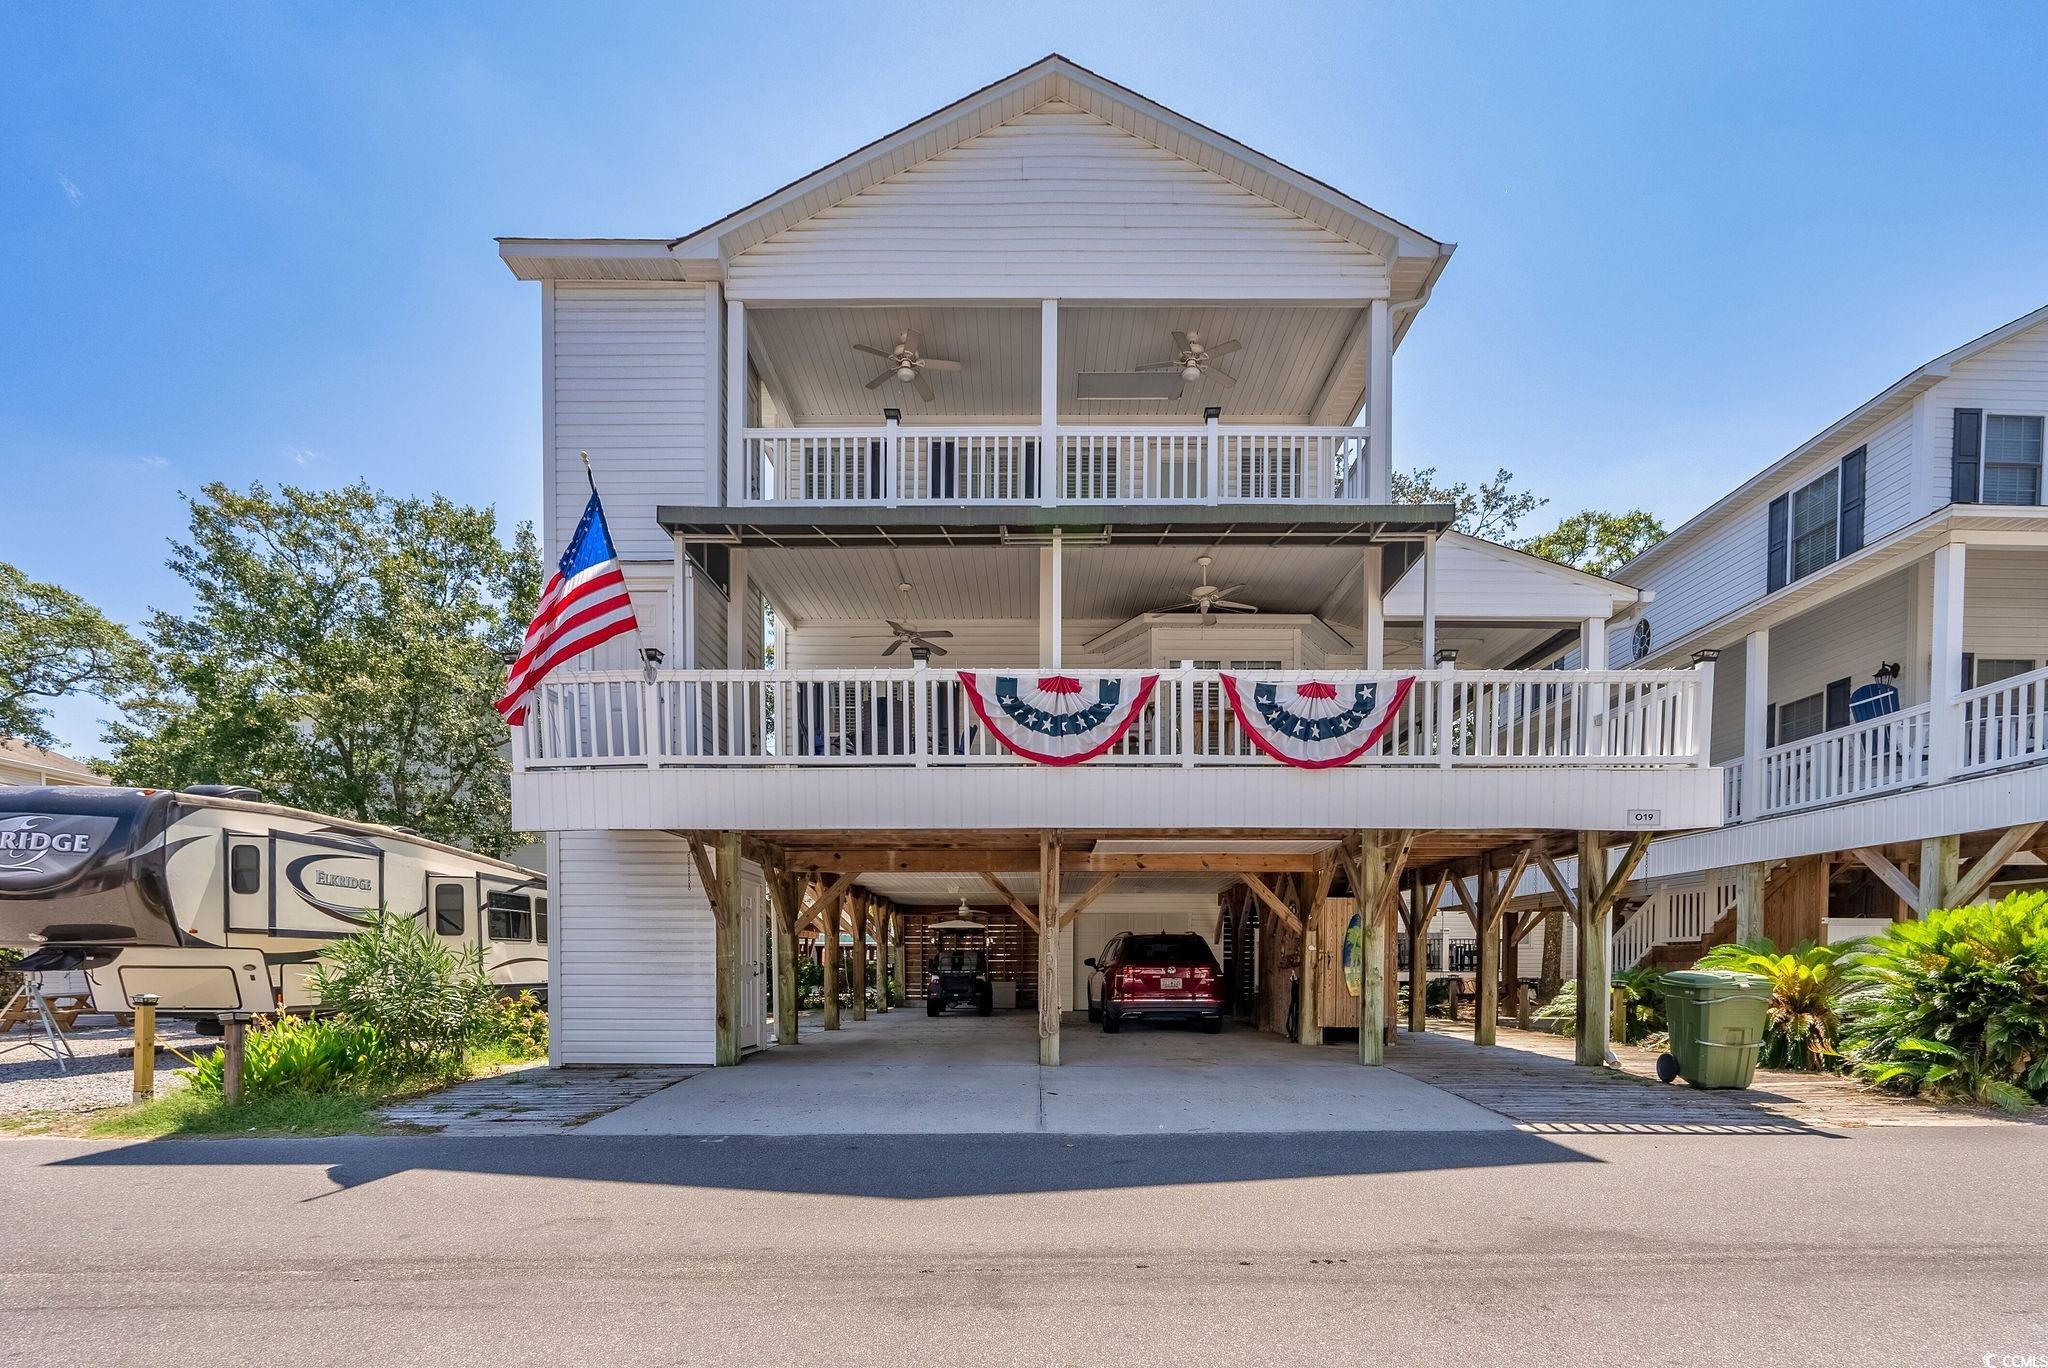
(1966, 456)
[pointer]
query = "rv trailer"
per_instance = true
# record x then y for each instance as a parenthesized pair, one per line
(221, 904)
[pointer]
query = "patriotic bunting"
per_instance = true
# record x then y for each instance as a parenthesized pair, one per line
(1315, 723)
(1056, 719)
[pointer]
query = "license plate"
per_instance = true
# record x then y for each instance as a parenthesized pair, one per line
(1169, 983)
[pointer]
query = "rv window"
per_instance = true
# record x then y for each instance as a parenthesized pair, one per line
(540, 920)
(448, 909)
(245, 868)
(510, 917)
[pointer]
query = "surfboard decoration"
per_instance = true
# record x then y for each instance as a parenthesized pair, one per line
(1056, 719)
(1315, 723)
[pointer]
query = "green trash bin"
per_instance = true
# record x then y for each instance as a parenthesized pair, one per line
(1716, 1018)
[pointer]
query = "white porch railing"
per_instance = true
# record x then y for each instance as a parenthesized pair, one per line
(761, 718)
(1211, 463)
(2004, 723)
(1669, 917)
(1884, 753)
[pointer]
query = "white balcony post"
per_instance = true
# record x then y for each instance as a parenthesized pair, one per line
(920, 697)
(1593, 656)
(1429, 600)
(1051, 571)
(1945, 666)
(1187, 714)
(738, 489)
(1703, 707)
(1212, 438)
(1048, 399)
(892, 476)
(1379, 400)
(1375, 611)
(1756, 704)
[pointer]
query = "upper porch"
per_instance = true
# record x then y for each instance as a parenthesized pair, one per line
(1058, 403)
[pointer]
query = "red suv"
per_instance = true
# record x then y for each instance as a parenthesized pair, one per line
(1157, 977)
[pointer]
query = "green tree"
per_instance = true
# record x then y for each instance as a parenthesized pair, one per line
(1597, 542)
(54, 644)
(1493, 511)
(341, 655)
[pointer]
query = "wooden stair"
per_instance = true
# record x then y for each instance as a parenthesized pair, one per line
(1683, 954)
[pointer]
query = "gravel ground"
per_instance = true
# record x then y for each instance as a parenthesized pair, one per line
(101, 1075)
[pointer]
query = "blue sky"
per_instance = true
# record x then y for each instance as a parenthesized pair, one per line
(255, 242)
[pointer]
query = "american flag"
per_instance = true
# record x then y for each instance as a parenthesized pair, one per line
(583, 605)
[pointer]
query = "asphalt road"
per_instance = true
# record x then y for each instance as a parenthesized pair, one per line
(1896, 1246)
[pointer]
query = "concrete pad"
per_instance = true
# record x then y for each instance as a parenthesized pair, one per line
(908, 1074)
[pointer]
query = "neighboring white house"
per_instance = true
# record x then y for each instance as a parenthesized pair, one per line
(1029, 381)
(22, 763)
(1911, 534)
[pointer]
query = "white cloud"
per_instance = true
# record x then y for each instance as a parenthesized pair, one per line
(300, 456)
(71, 190)
(154, 462)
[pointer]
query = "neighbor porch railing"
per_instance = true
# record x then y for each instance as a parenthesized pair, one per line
(1208, 463)
(2004, 723)
(1884, 753)
(921, 717)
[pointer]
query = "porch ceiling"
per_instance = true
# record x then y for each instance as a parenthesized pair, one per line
(1296, 364)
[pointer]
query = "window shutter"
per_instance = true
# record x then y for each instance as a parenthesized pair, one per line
(1780, 548)
(1837, 704)
(1849, 533)
(1966, 455)
(1770, 725)
(1969, 670)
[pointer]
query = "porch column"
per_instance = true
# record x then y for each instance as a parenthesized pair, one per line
(1596, 930)
(1940, 867)
(788, 906)
(828, 943)
(1373, 904)
(1429, 602)
(736, 490)
(1593, 644)
(1379, 398)
(1593, 656)
(1051, 589)
(1486, 1010)
(1756, 713)
(1749, 901)
(859, 908)
(1945, 665)
(1048, 400)
(1375, 609)
(1048, 949)
(739, 592)
(729, 992)
(881, 957)
(1418, 962)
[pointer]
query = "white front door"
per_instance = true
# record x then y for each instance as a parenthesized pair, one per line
(755, 998)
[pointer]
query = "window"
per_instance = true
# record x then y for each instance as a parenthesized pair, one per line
(2012, 459)
(1640, 638)
(1801, 718)
(540, 920)
(1990, 670)
(1814, 508)
(509, 917)
(245, 868)
(1818, 523)
(448, 909)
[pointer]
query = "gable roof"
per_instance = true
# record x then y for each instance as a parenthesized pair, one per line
(1862, 419)
(1482, 580)
(1416, 259)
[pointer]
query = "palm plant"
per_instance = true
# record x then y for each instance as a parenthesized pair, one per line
(1957, 1003)
(1806, 984)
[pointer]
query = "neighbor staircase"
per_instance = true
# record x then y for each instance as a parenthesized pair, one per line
(1673, 927)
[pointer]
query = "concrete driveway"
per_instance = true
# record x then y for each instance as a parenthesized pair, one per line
(904, 1073)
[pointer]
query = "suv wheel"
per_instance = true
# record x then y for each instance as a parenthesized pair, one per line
(1111, 1022)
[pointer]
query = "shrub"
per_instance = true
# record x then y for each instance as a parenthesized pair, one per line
(1956, 1004)
(1642, 1012)
(425, 1000)
(295, 1054)
(1802, 1021)
(515, 1027)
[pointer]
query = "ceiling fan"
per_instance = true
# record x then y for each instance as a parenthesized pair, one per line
(1195, 359)
(907, 363)
(1206, 598)
(918, 642)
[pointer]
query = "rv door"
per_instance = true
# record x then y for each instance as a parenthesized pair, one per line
(248, 884)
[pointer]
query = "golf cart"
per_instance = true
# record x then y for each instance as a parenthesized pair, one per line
(957, 973)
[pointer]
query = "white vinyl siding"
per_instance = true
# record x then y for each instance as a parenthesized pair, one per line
(1055, 203)
(630, 944)
(630, 385)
